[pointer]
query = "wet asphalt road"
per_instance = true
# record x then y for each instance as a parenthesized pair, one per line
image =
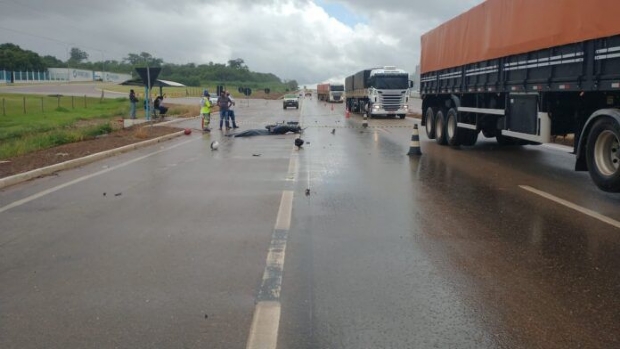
(441, 251)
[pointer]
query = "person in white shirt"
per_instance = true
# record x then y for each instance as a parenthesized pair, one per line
(231, 110)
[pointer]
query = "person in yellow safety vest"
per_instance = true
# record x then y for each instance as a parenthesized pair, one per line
(205, 110)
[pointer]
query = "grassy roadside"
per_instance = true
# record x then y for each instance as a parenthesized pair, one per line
(29, 123)
(51, 121)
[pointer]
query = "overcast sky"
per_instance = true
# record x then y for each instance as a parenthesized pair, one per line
(307, 40)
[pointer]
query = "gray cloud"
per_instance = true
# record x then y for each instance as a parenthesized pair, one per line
(293, 39)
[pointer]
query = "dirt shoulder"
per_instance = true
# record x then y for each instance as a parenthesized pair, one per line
(72, 151)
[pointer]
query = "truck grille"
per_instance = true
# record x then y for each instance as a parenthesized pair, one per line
(391, 102)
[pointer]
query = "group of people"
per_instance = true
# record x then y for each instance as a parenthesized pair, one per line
(227, 113)
(225, 102)
(157, 104)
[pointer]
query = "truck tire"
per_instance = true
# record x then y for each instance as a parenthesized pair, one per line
(603, 154)
(430, 123)
(451, 128)
(368, 109)
(440, 127)
(468, 137)
(402, 116)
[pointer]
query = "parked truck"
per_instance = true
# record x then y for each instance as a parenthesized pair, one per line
(525, 71)
(378, 92)
(330, 92)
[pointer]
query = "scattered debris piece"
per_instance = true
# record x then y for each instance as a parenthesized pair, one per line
(308, 192)
(299, 142)
(62, 154)
(256, 154)
(215, 145)
(104, 194)
(118, 194)
(334, 131)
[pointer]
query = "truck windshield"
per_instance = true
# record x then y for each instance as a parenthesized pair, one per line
(390, 82)
(336, 88)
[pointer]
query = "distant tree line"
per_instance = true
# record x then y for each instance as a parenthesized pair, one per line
(14, 58)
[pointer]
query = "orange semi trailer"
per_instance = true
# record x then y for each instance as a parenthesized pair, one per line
(522, 71)
(330, 92)
(322, 92)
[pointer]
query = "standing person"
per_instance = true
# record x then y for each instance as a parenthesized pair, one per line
(231, 110)
(132, 103)
(224, 103)
(205, 110)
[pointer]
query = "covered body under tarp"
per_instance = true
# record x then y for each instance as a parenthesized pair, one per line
(499, 28)
(270, 130)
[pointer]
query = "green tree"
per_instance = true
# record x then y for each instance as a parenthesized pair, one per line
(237, 64)
(53, 62)
(13, 57)
(143, 59)
(292, 85)
(77, 56)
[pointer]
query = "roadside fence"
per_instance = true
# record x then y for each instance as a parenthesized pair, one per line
(20, 105)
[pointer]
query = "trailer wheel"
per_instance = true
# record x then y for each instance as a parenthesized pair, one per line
(430, 123)
(451, 129)
(603, 154)
(440, 128)
(468, 137)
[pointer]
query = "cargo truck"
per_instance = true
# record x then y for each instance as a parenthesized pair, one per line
(378, 92)
(523, 71)
(330, 92)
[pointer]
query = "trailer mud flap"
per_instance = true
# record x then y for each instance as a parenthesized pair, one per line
(523, 120)
(522, 114)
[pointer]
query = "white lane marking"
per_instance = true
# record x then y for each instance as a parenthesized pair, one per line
(308, 172)
(266, 321)
(81, 179)
(293, 167)
(575, 207)
(283, 221)
(264, 331)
